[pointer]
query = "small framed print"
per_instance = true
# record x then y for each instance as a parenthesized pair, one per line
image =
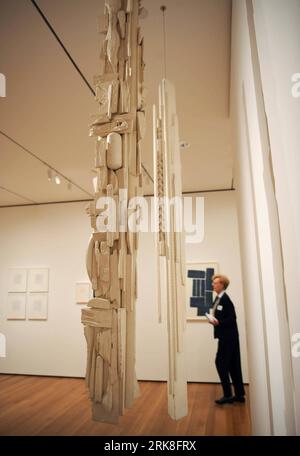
(37, 306)
(38, 280)
(16, 306)
(83, 292)
(17, 280)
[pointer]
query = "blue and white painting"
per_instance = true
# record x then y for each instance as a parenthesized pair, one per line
(199, 292)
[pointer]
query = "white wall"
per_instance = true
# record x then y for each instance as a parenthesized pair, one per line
(220, 245)
(56, 236)
(270, 367)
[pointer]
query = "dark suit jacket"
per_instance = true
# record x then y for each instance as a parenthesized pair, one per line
(227, 327)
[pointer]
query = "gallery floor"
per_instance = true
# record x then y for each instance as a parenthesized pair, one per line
(60, 406)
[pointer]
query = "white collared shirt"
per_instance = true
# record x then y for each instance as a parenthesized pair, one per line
(216, 304)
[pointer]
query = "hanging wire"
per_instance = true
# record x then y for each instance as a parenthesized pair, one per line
(163, 10)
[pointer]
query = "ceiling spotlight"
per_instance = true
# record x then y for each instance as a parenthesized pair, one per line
(57, 179)
(50, 175)
(184, 145)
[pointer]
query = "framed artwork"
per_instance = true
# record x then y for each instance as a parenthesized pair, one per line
(17, 280)
(83, 292)
(199, 292)
(16, 306)
(37, 306)
(38, 280)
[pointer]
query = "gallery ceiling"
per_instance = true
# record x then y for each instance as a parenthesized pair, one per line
(48, 104)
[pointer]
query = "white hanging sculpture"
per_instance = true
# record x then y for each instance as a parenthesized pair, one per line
(170, 242)
(118, 127)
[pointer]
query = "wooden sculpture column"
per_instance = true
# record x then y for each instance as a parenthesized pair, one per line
(118, 127)
(170, 241)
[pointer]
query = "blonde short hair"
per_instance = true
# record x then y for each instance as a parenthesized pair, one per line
(223, 279)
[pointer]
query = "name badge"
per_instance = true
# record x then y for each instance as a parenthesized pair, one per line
(220, 307)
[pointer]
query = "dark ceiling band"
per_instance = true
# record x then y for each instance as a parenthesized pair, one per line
(89, 200)
(148, 174)
(62, 45)
(18, 195)
(44, 163)
(72, 60)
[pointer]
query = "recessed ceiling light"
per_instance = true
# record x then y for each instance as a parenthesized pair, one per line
(57, 179)
(184, 145)
(50, 175)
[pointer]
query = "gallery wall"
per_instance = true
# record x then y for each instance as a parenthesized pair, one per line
(56, 237)
(220, 245)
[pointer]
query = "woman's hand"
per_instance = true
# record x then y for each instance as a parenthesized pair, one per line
(215, 322)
